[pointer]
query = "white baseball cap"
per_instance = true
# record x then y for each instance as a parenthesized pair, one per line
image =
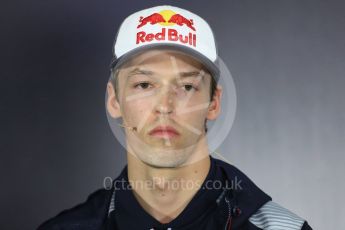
(166, 27)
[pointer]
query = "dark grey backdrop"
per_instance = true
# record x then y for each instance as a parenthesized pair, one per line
(287, 60)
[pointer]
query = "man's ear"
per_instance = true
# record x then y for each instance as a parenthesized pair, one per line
(215, 105)
(113, 106)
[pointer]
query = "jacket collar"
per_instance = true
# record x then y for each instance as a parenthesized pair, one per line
(127, 204)
(243, 196)
(240, 198)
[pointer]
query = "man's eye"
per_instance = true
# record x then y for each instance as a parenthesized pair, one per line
(142, 85)
(189, 87)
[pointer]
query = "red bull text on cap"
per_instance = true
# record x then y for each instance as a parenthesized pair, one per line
(165, 26)
(166, 18)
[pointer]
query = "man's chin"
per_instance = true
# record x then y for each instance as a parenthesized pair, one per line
(165, 158)
(159, 155)
(172, 149)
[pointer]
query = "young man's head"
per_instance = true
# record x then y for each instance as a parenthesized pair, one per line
(166, 93)
(201, 68)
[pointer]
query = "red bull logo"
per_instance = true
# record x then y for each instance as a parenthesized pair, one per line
(166, 18)
(180, 20)
(152, 19)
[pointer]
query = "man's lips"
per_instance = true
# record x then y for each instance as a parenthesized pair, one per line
(164, 131)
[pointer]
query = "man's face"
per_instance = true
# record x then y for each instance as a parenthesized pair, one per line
(165, 94)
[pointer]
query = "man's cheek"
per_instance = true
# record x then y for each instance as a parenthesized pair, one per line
(197, 119)
(137, 110)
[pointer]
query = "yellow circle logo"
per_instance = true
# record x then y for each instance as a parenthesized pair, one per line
(167, 15)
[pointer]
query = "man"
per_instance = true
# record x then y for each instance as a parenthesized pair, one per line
(164, 88)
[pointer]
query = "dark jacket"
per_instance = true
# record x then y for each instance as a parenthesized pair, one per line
(237, 204)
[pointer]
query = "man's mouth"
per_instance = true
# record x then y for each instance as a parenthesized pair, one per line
(164, 132)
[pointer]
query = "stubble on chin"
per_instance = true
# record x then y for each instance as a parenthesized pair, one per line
(163, 158)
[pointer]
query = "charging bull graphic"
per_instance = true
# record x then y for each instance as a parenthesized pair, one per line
(177, 19)
(180, 20)
(152, 19)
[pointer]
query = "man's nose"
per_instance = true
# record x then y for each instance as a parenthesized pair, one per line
(165, 102)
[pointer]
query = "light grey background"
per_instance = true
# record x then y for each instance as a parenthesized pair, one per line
(287, 60)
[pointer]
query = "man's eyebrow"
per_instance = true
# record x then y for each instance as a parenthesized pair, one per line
(181, 74)
(194, 74)
(140, 71)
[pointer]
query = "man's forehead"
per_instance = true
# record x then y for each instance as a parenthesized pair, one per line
(169, 56)
(159, 61)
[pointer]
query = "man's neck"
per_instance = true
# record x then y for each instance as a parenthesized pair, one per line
(165, 192)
